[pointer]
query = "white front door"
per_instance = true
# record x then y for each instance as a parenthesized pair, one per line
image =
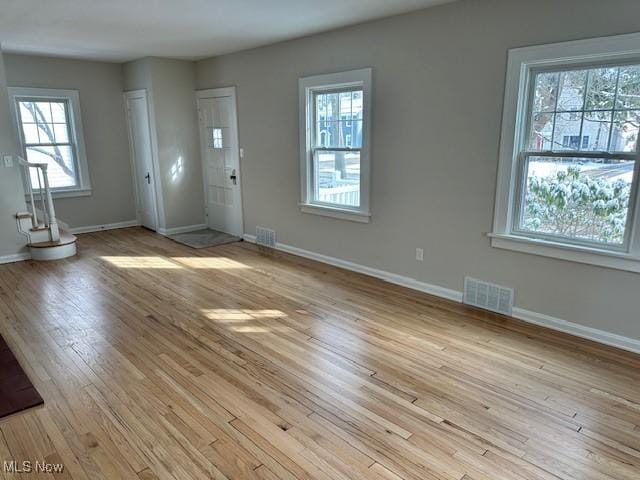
(142, 156)
(221, 159)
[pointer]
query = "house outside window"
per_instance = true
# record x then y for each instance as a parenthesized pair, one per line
(568, 174)
(334, 144)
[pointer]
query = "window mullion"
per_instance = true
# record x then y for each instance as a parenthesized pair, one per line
(583, 110)
(573, 154)
(613, 110)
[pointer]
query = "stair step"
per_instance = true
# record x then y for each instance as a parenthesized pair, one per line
(20, 215)
(39, 228)
(65, 239)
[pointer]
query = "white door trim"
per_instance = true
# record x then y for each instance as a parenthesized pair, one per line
(215, 93)
(154, 159)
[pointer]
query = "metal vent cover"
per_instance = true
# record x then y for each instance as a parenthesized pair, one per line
(266, 237)
(488, 296)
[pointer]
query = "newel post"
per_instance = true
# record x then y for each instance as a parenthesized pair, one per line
(51, 213)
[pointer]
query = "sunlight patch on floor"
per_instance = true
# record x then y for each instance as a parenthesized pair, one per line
(210, 262)
(140, 262)
(232, 315)
(250, 329)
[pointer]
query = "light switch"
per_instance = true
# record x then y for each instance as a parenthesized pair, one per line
(8, 161)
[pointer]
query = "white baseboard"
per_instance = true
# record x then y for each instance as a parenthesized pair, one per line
(590, 333)
(185, 229)
(373, 272)
(108, 226)
(540, 319)
(16, 257)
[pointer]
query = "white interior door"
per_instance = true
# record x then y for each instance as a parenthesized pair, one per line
(221, 159)
(142, 156)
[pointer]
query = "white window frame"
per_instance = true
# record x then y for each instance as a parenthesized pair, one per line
(307, 87)
(522, 64)
(72, 97)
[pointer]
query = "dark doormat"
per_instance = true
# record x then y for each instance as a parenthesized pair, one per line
(204, 238)
(17, 393)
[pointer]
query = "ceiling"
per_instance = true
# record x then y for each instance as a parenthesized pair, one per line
(121, 30)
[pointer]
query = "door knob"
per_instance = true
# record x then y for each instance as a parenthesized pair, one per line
(234, 177)
(148, 177)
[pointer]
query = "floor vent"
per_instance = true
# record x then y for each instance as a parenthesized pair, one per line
(488, 296)
(266, 237)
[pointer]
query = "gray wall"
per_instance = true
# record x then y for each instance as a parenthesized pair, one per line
(177, 128)
(137, 74)
(100, 85)
(171, 91)
(11, 189)
(438, 92)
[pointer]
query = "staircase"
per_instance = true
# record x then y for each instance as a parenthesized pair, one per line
(46, 241)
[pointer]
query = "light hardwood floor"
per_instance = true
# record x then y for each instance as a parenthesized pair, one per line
(158, 361)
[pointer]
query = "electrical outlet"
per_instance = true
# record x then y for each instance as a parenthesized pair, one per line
(419, 254)
(8, 161)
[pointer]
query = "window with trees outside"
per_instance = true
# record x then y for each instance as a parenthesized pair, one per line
(50, 132)
(334, 144)
(569, 154)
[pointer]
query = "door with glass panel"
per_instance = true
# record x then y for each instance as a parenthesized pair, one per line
(220, 159)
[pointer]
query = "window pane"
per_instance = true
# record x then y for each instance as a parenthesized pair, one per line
(58, 112)
(577, 198)
(27, 112)
(337, 178)
(602, 88)
(572, 87)
(30, 133)
(353, 134)
(43, 111)
(46, 133)
(541, 131)
(356, 105)
(624, 135)
(546, 90)
(629, 87)
(61, 132)
(596, 127)
(345, 104)
(338, 118)
(342, 134)
(567, 127)
(61, 170)
(327, 107)
(586, 110)
(217, 138)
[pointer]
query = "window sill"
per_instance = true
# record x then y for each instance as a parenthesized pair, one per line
(62, 194)
(340, 213)
(572, 253)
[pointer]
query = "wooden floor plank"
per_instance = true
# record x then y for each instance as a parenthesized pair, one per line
(157, 361)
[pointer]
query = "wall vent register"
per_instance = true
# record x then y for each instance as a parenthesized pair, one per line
(488, 296)
(266, 237)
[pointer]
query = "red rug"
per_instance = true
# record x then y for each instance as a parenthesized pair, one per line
(16, 390)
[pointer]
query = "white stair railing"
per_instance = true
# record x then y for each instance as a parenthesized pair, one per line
(44, 190)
